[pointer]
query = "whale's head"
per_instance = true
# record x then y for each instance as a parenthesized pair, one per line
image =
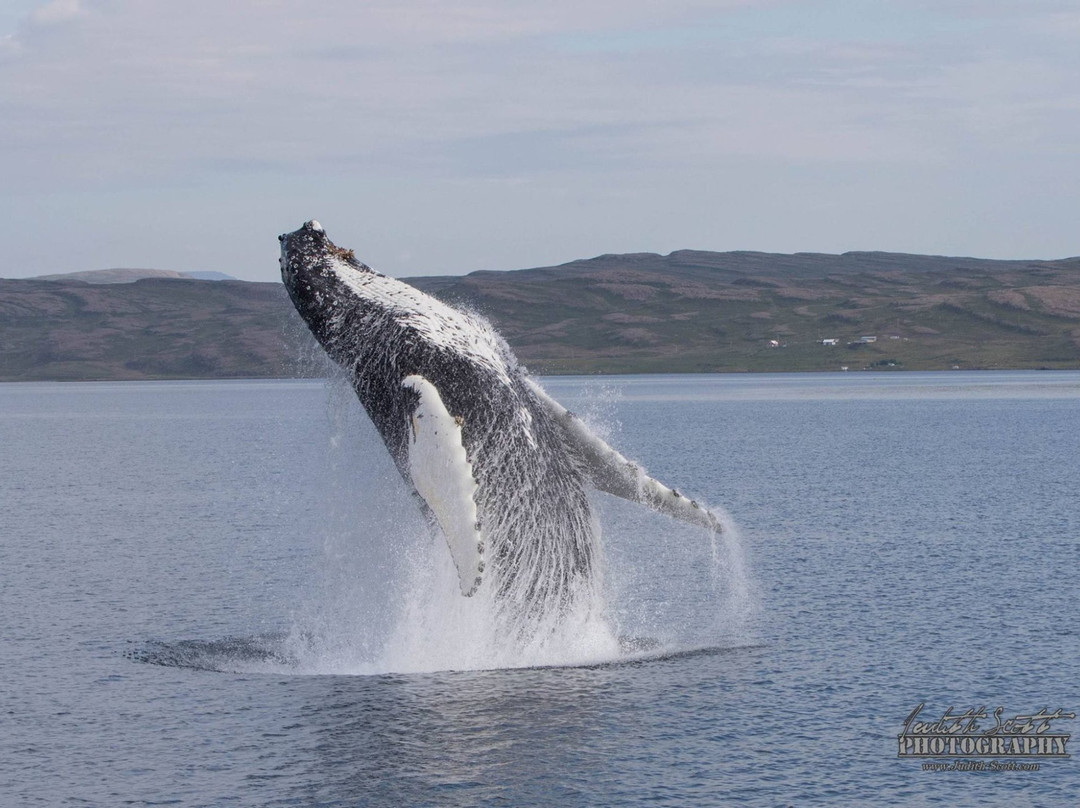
(319, 277)
(306, 253)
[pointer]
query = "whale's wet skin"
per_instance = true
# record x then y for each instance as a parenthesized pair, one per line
(502, 472)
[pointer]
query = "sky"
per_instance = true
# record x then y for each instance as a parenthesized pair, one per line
(439, 137)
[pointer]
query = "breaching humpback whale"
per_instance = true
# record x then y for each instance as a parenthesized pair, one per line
(500, 466)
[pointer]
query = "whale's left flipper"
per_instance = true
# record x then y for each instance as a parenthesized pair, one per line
(443, 476)
(614, 474)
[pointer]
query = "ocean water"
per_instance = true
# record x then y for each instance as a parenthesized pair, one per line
(220, 593)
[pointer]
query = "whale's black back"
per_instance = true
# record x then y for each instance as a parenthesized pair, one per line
(531, 500)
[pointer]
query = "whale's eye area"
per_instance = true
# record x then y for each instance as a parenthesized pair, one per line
(281, 238)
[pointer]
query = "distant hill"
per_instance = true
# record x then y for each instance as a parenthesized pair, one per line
(130, 275)
(689, 311)
(696, 311)
(153, 328)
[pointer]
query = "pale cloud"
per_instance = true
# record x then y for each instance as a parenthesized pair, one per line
(9, 47)
(1057, 25)
(148, 87)
(58, 11)
(488, 98)
(173, 83)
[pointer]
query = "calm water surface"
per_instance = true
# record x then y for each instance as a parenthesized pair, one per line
(908, 538)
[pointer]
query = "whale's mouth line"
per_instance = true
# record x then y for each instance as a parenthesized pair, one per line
(271, 654)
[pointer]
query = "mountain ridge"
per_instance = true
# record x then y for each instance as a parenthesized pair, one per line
(130, 275)
(687, 311)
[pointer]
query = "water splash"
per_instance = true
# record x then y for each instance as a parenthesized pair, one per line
(388, 599)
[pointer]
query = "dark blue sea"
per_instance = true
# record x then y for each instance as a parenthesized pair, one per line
(221, 594)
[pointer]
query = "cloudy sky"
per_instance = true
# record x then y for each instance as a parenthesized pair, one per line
(441, 137)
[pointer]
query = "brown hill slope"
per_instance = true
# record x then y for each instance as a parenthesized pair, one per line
(130, 274)
(150, 329)
(700, 311)
(688, 311)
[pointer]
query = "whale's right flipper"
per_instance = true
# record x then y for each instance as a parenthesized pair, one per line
(614, 474)
(442, 475)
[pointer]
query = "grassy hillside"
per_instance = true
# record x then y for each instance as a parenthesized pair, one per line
(685, 312)
(149, 329)
(697, 311)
